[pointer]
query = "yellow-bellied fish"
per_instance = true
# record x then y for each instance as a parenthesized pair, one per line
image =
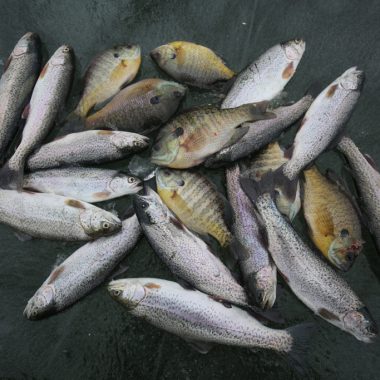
(193, 64)
(332, 219)
(194, 135)
(196, 202)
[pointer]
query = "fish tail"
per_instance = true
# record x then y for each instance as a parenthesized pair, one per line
(11, 178)
(255, 189)
(301, 335)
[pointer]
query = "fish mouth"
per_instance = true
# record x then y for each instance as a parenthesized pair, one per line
(129, 292)
(294, 49)
(352, 79)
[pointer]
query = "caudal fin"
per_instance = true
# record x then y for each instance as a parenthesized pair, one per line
(11, 179)
(255, 189)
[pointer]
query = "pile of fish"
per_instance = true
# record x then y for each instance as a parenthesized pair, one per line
(48, 187)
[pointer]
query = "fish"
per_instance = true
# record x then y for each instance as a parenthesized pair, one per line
(16, 84)
(198, 319)
(83, 271)
(47, 99)
(270, 159)
(311, 279)
(85, 184)
(367, 178)
(186, 255)
(192, 64)
(261, 133)
(141, 107)
(267, 76)
(106, 75)
(196, 202)
(54, 217)
(88, 147)
(258, 269)
(324, 121)
(194, 135)
(333, 222)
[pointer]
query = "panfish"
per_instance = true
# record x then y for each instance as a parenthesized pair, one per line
(192, 64)
(194, 135)
(54, 217)
(261, 133)
(334, 225)
(108, 73)
(49, 95)
(259, 272)
(324, 120)
(367, 178)
(85, 148)
(16, 84)
(310, 278)
(82, 271)
(141, 107)
(196, 202)
(86, 184)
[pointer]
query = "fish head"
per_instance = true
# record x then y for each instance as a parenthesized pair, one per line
(121, 184)
(41, 304)
(294, 49)
(351, 80)
(129, 292)
(166, 56)
(150, 208)
(127, 141)
(28, 43)
(98, 222)
(125, 53)
(361, 324)
(62, 56)
(168, 179)
(263, 284)
(166, 148)
(168, 94)
(344, 250)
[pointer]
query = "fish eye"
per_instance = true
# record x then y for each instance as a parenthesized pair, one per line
(166, 173)
(116, 292)
(181, 182)
(144, 205)
(65, 49)
(131, 179)
(106, 225)
(179, 131)
(116, 55)
(155, 100)
(156, 147)
(177, 94)
(34, 313)
(173, 56)
(344, 233)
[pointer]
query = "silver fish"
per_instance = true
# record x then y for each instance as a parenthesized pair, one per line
(324, 120)
(50, 216)
(261, 133)
(16, 84)
(266, 77)
(186, 255)
(367, 178)
(82, 271)
(201, 321)
(310, 278)
(255, 263)
(48, 97)
(85, 184)
(83, 148)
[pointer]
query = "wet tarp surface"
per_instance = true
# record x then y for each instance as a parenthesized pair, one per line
(96, 338)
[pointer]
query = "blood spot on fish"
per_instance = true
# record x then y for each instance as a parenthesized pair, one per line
(174, 194)
(331, 90)
(74, 203)
(288, 72)
(105, 132)
(176, 223)
(43, 72)
(324, 313)
(56, 274)
(151, 285)
(102, 195)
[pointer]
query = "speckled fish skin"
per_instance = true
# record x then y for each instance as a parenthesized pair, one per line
(259, 272)
(270, 159)
(192, 315)
(83, 271)
(193, 136)
(334, 225)
(311, 279)
(324, 120)
(186, 255)
(196, 202)
(261, 133)
(367, 178)
(266, 77)
(107, 74)
(16, 84)
(193, 64)
(54, 217)
(85, 148)
(86, 184)
(141, 107)
(49, 95)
